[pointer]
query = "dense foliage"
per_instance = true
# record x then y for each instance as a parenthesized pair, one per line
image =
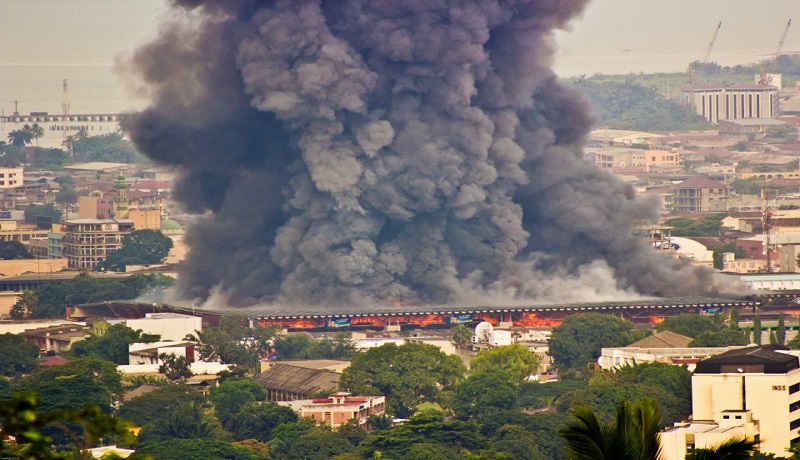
(575, 345)
(52, 298)
(407, 375)
(35, 213)
(302, 346)
(17, 356)
(688, 227)
(111, 147)
(140, 247)
(631, 105)
(113, 344)
(12, 250)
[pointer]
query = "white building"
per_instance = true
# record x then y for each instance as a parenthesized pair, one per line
(753, 391)
(661, 347)
(170, 326)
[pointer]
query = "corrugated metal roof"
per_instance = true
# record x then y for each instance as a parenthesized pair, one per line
(300, 380)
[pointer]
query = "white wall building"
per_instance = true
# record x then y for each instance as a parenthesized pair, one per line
(170, 326)
(753, 391)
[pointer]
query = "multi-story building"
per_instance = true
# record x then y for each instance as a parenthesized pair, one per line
(339, 408)
(732, 102)
(86, 242)
(11, 177)
(750, 392)
(656, 159)
(698, 194)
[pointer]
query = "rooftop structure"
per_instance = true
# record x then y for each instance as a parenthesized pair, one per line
(340, 408)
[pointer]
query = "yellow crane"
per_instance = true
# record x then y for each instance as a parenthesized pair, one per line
(695, 67)
(763, 77)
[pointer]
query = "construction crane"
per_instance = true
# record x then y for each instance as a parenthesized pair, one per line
(694, 67)
(763, 77)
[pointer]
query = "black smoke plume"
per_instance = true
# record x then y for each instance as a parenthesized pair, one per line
(359, 151)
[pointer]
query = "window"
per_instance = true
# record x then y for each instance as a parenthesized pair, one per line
(794, 388)
(794, 406)
(795, 424)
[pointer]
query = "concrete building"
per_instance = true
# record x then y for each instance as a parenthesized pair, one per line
(339, 408)
(698, 194)
(732, 102)
(655, 159)
(11, 177)
(757, 128)
(56, 338)
(170, 326)
(285, 381)
(86, 242)
(752, 391)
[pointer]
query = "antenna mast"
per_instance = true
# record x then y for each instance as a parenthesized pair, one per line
(66, 139)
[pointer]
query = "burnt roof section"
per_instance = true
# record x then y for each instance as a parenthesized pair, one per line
(764, 357)
(300, 380)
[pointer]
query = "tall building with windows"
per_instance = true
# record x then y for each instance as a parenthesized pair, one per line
(86, 242)
(11, 177)
(732, 102)
(749, 392)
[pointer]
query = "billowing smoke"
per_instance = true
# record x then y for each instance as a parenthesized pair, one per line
(360, 151)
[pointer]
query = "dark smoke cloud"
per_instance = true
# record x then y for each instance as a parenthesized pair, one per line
(357, 151)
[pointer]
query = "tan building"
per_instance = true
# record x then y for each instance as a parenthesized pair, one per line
(698, 194)
(340, 408)
(753, 391)
(57, 338)
(655, 159)
(11, 230)
(86, 242)
(11, 177)
(732, 102)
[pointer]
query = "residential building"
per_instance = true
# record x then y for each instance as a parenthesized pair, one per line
(655, 159)
(11, 177)
(86, 242)
(620, 158)
(752, 391)
(56, 338)
(756, 128)
(732, 102)
(698, 194)
(149, 353)
(11, 230)
(339, 408)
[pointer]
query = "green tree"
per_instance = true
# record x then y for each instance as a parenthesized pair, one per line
(688, 227)
(633, 435)
(461, 335)
(733, 449)
(721, 338)
(489, 387)
(193, 449)
(49, 159)
(780, 331)
(232, 396)
(22, 419)
(234, 342)
(113, 344)
(24, 305)
(304, 346)
(67, 197)
(757, 330)
(734, 320)
(35, 212)
(689, 324)
(174, 368)
(516, 360)
(579, 339)
(111, 147)
(536, 395)
(187, 422)
(14, 250)
(80, 382)
(37, 132)
(157, 403)
(258, 421)
(318, 443)
(20, 137)
(17, 356)
(717, 254)
(141, 247)
(407, 375)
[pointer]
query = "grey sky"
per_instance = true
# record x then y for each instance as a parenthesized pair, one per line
(43, 41)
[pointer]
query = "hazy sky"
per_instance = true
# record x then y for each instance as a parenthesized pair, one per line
(44, 41)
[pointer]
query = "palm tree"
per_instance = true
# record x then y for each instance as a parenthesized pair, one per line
(632, 436)
(461, 335)
(732, 449)
(36, 132)
(20, 137)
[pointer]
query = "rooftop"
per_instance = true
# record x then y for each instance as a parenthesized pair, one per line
(663, 339)
(762, 360)
(701, 182)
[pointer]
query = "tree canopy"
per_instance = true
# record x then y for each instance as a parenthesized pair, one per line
(113, 344)
(12, 250)
(111, 147)
(234, 342)
(407, 375)
(577, 342)
(17, 356)
(35, 213)
(516, 360)
(140, 247)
